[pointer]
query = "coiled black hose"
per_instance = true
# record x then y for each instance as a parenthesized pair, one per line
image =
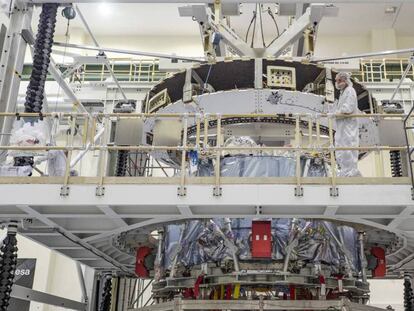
(408, 294)
(8, 262)
(396, 166)
(121, 163)
(41, 58)
(105, 304)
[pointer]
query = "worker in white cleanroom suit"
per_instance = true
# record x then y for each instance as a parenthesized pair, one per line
(347, 129)
(56, 162)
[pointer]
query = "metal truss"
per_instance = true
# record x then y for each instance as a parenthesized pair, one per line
(28, 294)
(82, 225)
(310, 18)
(11, 65)
(179, 305)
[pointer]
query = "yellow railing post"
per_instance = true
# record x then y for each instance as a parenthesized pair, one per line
(64, 190)
(298, 146)
(318, 132)
(217, 188)
(85, 131)
(182, 191)
(379, 163)
(205, 138)
(334, 189)
(92, 130)
(310, 131)
(103, 154)
(198, 131)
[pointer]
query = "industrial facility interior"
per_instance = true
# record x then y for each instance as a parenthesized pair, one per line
(180, 155)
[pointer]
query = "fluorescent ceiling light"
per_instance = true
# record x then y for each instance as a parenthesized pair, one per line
(104, 9)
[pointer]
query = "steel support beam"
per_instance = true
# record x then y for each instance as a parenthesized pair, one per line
(128, 52)
(82, 282)
(364, 55)
(57, 76)
(29, 294)
(230, 37)
(383, 206)
(74, 238)
(298, 46)
(11, 67)
(311, 17)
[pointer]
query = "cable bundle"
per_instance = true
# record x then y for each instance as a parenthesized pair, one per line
(105, 304)
(41, 58)
(121, 164)
(408, 294)
(8, 262)
(396, 166)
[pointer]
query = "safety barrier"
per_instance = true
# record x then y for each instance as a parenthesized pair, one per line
(124, 69)
(382, 70)
(317, 143)
(147, 70)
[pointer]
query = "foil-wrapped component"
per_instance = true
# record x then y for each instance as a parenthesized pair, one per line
(306, 241)
(251, 166)
(295, 242)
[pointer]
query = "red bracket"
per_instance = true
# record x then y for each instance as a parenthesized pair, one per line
(381, 268)
(140, 269)
(261, 239)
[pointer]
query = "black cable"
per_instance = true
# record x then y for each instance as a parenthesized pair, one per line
(41, 58)
(208, 77)
(396, 163)
(254, 28)
(121, 163)
(8, 263)
(269, 11)
(105, 304)
(408, 294)
(250, 25)
(261, 25)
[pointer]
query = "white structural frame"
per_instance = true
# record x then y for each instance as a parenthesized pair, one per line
(179, 304)
(310, 18)
(82, 224)
(11, 65)
(28, 294)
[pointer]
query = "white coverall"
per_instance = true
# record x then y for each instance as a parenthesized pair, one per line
(56, 162)
(347, 133)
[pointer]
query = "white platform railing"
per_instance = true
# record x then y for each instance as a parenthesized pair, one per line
(316, 144)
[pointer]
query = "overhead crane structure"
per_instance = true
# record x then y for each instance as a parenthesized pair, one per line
(245, 151)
